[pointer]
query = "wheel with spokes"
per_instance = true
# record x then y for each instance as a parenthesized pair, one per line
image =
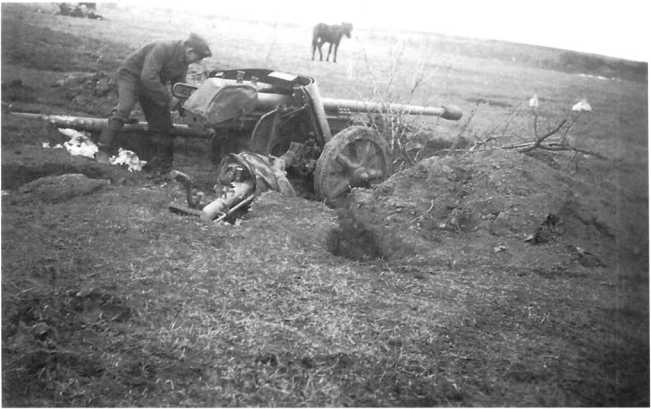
(355, 157)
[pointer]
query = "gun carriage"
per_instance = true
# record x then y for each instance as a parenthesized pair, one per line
(269, 110)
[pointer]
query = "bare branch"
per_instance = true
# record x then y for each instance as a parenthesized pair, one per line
(572, 149)
(539, 140)
(470, 116)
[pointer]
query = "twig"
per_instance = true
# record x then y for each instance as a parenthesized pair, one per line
(572, 149)
(539, 140)
(450, 150)
(429, 209)
(481, 143)
(575, 119)
(517, 146)
(465, 126)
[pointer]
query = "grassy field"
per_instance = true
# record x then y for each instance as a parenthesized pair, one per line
(108, 299)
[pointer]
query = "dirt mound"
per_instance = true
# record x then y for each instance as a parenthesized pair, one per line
(60, 188)
(26, 163)
(495, 206)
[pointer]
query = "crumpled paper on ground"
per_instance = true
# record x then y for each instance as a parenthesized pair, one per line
(129, 159)
(46, 145)
(79, 143)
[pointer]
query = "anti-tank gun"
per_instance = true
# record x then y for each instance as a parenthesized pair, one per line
(264, 112)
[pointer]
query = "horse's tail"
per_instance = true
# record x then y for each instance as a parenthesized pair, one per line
(316, 33)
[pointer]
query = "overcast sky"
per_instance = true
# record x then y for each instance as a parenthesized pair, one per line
(618, 28)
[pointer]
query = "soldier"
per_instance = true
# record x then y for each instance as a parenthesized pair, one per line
(143, 78)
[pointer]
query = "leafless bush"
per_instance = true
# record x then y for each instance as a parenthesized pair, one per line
(397, 126)
(402, 132)
(555, 137)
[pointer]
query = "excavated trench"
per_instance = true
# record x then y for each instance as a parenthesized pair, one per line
(489, 207)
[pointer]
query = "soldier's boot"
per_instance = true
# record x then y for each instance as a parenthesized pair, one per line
(161, 162)
(107, 139)
(166, 154)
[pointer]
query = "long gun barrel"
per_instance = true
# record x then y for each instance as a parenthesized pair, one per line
(97, 124)
(334, 108)
(335, 105)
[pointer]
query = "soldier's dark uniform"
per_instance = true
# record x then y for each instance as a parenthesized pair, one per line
(144, 77)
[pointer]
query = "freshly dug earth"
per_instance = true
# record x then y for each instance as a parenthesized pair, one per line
(489, 278)
(496, 206)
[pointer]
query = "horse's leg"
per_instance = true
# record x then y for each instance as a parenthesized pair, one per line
(329, 51)
(334, 59)
(313, 48)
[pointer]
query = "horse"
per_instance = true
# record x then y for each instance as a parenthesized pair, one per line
(332, 34)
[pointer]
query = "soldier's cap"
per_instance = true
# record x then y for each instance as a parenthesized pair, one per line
(199, 45)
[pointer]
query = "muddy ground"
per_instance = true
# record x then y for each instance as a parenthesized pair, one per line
(485, 278)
